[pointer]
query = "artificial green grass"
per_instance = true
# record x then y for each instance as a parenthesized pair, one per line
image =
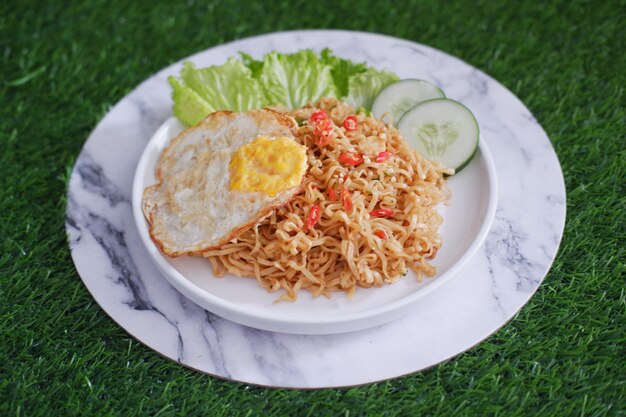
(63, 65)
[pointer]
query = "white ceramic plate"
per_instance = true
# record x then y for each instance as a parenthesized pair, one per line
(467, 220)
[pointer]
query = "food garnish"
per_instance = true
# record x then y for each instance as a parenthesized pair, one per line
(381, 213)
(346, 199)
(383, 156)
(380, 233)
(286, 80)
(322, 127)
(397, 98)
(313, 216)
(331, 194)
(442, 130)
(350, 158)
(350, 123)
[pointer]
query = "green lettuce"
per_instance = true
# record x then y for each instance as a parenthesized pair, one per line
(188, 107)
(341, 70)
(290, 80)
(225, 87)
(253, 65)
(364, 87)
(294, 80)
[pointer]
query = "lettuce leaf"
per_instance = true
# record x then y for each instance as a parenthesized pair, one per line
(364, 87)
(189, 107)
(293, 80)
(252, 64)
(226, 87)
(341, 70)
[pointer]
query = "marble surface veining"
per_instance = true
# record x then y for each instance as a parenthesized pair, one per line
(502, 276)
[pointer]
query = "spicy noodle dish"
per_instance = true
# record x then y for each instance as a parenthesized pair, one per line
(316, 195)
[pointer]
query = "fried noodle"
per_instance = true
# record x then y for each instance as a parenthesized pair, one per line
(344, 250)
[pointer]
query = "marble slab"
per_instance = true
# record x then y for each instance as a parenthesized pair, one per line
(490, 290)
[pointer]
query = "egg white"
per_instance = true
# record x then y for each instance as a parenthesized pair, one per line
(192, 207)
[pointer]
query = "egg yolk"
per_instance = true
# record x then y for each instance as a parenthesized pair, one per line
(268, 165)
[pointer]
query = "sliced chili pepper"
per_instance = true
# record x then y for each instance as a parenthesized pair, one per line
(381, 234)
(318, 115)
(323, 131)
(351, 158)
(313, 216)
(331, 194)
(350, 123)
(324, 138)
(381, 213)
(322, 125)
(346, 199)
(383, 156)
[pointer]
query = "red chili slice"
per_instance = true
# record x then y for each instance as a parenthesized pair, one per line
(318, 115)
(325, 137)
(331, 194)
(313, 217)
(381, 234)
(322, 126)
(350, 123)
(323, 131)
(346, 199)
(381, 213)
(350, 158)
(383, 156)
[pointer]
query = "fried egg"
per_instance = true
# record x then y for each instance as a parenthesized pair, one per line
(217, 179)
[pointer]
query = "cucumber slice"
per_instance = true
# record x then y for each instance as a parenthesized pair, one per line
(399, 97)
(442, 130)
